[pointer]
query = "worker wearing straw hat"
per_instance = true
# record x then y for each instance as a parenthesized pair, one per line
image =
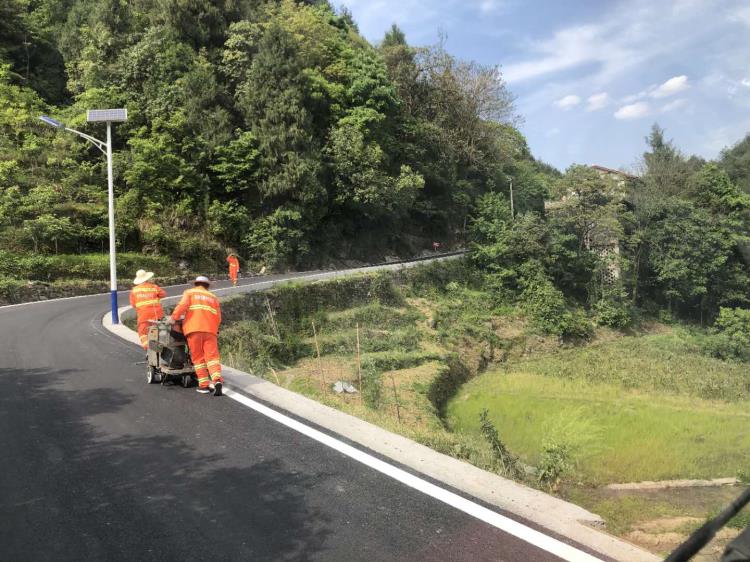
(146, 297)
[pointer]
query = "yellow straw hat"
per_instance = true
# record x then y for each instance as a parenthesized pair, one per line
(141, 276)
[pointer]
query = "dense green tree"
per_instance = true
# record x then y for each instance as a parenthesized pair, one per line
(273, 103)
(687, 254)
(736, 161)
(665, 167)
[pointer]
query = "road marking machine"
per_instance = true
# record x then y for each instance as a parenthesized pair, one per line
(168, 357)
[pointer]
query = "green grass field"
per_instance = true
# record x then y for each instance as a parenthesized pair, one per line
(671, 362)
(637, 408)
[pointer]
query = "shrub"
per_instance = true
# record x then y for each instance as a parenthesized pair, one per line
(613, 310)
(437, 276)
(372, 387)
(385, 291)
(370, 341)
(296, 303)
(253, 345)
(278, 239)
(81, 266)
(547, 310)
(10, 290)
(566, 436)
(504, 460)
(730, 338)
(556, 461)
(614, 313)
(371, 315)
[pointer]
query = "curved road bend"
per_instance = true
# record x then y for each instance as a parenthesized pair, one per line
(97, 465)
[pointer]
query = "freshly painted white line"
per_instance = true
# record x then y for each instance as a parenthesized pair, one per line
(322, 275)
(519, 530)
(126, 291)
(7, 306)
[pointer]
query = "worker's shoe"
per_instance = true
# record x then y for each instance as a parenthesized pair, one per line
(202, 390)
(217, 389)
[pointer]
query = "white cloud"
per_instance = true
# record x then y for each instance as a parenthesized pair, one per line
(566, 49)
(673, 86)
(626, 38)
(489, 6)
(633, 111)
(741, 15)
(675, 104)
(639, 96)
(568, 101)
(597, 101)
(745, 82)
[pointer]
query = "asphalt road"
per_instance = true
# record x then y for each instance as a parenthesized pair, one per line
(97, 465)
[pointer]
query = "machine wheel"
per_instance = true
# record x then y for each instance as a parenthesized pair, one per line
(187, 381)
(152, 375)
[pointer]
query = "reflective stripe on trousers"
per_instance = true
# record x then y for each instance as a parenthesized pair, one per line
(143, 333)
(204, 350)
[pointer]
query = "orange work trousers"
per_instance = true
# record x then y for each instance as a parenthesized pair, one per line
(143, 333)
(233, 273)
(204, 351)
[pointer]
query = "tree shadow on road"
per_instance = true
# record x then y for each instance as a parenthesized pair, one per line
(70, 491)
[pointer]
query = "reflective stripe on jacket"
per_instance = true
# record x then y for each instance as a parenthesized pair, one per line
(146, 299)
(201, 310)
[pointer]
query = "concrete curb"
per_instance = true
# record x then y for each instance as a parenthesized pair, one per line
(670, 484)
(554, 514)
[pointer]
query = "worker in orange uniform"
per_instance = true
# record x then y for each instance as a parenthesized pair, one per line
(202, 317)
(146, 297)
(234, 268)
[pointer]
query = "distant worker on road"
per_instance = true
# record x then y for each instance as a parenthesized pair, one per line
(146, 298)
(436, 246)
(202, 318)
(234, 268)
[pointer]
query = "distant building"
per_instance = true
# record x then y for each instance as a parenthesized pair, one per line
(610, 172)
(601, 241)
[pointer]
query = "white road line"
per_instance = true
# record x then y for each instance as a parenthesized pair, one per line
(238, 289)
(322, 275)
(519, 530)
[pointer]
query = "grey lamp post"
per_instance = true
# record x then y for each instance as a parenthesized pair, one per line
(108, 116)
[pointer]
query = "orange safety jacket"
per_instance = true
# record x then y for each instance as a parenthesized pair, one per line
(201, 310)
(234, 263)
(146, 299)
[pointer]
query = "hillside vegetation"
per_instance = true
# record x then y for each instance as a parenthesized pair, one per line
(268, 127)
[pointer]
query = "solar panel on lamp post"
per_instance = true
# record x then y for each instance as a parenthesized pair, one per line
(108, 116)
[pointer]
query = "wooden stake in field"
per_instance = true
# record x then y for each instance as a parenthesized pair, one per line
(275, 376)
(272, 318)
(359, 366)
(395, 394)
(320, 363)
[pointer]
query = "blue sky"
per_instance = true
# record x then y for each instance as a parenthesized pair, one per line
(590, 77)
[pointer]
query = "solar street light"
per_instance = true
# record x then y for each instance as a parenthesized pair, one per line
(52, 122)
(107, 116)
